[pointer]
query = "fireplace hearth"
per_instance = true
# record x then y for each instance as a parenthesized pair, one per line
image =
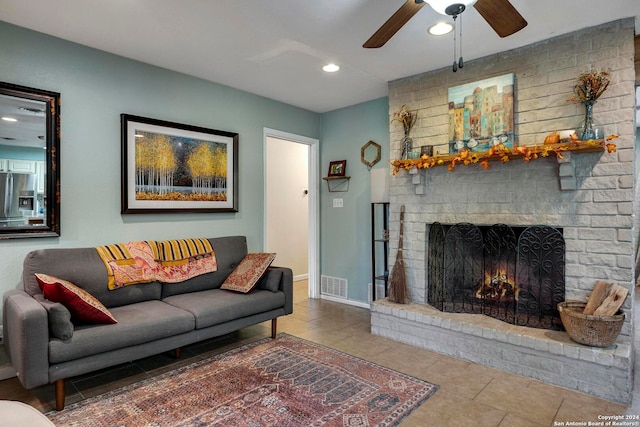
(513, 274)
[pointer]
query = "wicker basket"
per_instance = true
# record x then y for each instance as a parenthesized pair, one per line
(595, 331)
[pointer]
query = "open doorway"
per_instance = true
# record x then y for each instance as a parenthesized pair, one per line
(291, 204)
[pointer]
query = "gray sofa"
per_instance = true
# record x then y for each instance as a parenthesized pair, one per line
(152, 318)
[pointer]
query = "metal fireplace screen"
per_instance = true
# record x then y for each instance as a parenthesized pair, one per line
(514, 274)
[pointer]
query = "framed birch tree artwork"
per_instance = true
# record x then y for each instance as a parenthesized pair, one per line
(173, 167)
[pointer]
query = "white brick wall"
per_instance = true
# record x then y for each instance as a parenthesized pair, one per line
(594, 203)
(596, 216)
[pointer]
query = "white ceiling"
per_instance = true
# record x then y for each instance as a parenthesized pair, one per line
(275, 48)
(29, 128)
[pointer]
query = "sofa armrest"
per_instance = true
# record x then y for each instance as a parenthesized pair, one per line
(286, 286)
(26, 337)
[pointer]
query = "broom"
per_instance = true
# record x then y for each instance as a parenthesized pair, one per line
(398, 291)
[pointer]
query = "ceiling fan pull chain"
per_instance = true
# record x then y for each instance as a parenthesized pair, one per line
(455, 63)
(460, 61)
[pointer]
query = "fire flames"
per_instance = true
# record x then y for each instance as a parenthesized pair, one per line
(497, 288)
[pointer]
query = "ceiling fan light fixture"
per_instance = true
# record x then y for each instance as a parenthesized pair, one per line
(441, 6)
(440, 29)
(331, 68)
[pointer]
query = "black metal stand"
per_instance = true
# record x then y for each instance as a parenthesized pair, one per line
(379, 239)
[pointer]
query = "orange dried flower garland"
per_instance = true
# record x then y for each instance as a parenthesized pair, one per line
(500, 152)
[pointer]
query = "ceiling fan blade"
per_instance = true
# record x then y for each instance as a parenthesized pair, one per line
(501, 15)
(393, 24)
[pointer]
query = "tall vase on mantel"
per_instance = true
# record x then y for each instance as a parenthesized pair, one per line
(589, 129)
(407, 119)
(589, 86)
(407, 143)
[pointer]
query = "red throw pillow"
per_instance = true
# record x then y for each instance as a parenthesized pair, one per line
(83, 306)
(246, 275)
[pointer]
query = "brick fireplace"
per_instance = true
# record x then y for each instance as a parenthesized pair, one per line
(590, 197)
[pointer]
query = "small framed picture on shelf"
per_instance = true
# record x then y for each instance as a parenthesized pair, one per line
(426, 150)
(337, 168)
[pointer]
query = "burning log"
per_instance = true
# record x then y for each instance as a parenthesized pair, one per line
(497, 288)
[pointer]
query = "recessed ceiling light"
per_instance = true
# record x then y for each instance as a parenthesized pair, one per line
(331, 68)
(440, 29)
(9, 119)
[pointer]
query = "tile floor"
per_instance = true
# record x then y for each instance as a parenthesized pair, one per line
(469, 394)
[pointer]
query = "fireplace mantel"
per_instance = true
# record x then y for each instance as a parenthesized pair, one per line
(527, 153)
(563, 152)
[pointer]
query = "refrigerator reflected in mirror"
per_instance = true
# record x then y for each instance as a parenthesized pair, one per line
(17, 198)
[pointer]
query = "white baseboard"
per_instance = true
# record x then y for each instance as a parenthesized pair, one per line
(346, 301)
(300, 277)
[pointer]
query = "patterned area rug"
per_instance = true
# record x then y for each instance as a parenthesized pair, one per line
(283, 382)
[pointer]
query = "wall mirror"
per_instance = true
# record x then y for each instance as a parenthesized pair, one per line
(29, 162)
(370, 154)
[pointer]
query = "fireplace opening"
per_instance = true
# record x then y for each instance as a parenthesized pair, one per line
(514, 274)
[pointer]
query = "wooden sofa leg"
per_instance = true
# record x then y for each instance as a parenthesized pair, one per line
(176, 353)
(60, 395)
(274, 328)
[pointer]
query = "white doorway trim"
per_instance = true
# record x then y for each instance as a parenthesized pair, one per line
(314, 206)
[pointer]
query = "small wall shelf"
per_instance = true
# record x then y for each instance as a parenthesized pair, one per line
(337, 184)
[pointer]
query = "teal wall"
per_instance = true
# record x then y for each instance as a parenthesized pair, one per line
(96, 87)
(345, 232)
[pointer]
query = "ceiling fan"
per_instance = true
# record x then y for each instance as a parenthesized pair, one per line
(499, 14)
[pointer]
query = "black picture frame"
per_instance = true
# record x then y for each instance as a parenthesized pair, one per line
(47, 109)
(174, 167)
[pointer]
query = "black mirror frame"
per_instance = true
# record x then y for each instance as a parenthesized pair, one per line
(52, 134)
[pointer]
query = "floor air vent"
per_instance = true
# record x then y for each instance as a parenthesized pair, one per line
(333, 286)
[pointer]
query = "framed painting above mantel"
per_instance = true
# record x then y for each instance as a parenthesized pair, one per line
(173, 167)
(481, 114)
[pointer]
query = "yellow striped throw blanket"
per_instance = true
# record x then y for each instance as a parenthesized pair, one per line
(168, 261)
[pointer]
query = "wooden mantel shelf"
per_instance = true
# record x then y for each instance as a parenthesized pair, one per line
(500, 153)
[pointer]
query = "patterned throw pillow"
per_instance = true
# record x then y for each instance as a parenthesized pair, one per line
(246, 275)
(84, 307)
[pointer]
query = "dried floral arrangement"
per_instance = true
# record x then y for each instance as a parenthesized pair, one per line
(405, 117)
(500, 152)
(590, 86)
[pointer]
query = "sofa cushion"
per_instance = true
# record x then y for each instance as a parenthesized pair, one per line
(83, 306)
(59, 317)
(216, 306)
(229, 252)
(137, 324)
(246, 275)
(84, 268)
